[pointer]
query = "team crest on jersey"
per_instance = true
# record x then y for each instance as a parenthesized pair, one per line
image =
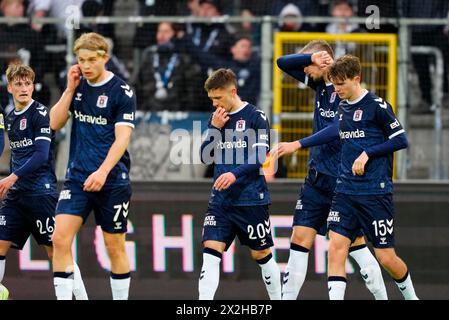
(23, 124)
(358, 115)
(333, 97)
(240, 125)
(102, 101)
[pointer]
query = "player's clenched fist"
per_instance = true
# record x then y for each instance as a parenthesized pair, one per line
(73, 77)
(219, 118)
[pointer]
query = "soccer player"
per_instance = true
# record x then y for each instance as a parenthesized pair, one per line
(237, 144)
(102, 106)
(29, 192)
(310, 67)
(369, 134)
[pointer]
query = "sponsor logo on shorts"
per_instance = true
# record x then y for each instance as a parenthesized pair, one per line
(334, 216)
(65, 195)
(210, 221)
(2, 221)
(299, 205)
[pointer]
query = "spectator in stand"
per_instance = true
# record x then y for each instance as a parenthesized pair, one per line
(56, 9)
(211, 40)
(22, 44)
(244, 63)
(147, 32)
(296, 9)
(94, 8)
(167, 76)
(343, 9)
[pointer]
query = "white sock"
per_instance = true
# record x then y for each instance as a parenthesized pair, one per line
(120, 285)
(271, 276)
(336, 287)
(295, 274)
(63, 285)
(406, 288)
(371, 272)
(2, 267)
(210, 274)
(79, 291)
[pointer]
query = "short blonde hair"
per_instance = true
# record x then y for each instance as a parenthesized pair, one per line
(91, 41)
(19, 71)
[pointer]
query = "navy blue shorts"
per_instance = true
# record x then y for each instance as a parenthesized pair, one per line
(315, 199)
(251, 224)
(372, 213)
(110, 205)
(22, 215)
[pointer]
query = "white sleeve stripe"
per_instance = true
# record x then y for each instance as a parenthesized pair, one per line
(261, 144)
(42, 138)
(396, 134)
(124, 124)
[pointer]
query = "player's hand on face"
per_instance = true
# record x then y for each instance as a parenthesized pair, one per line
(6, 184)
(284, 148)
(73, 77)
(219, 118)
(322, 59)
(95, 181)
(358, 167)
(224, 181)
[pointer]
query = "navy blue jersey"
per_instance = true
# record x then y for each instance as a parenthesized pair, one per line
(324, 158)
(364, 123)
(24, 128)
(244, 136)
(96, 110)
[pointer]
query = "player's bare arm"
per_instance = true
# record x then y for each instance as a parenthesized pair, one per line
(358, 167)
(6, 184)
(59, 114)
(219, 118)
(97, 179)
(284, 148)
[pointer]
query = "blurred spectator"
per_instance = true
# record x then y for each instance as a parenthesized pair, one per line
(343, 9)
(293, 12)
(427, 35)
(54, 8)
(147, 32)
(167, 78)
(244, 63)
(20, 43)
(94, 8)
(213, 38)
(298, 8)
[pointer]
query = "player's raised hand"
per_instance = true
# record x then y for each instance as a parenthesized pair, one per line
(322, 59)
(224, 181)
(284, 148)
(73, 77)
(219, 118)
(95, 181)
(6, 184)
(358, 167)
